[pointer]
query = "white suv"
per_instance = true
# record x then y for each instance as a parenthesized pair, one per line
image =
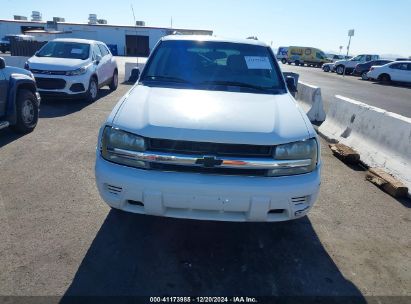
(210, 131)
(73, 68)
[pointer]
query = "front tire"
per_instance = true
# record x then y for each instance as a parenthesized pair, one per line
(92, 91)
(326, 68)
(27, 112)
(114, 81)
(340, 70)
(284, 61)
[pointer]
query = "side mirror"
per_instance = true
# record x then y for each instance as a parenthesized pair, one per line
(2, 63)
(98, 59)
(291, 84)
(135, 75)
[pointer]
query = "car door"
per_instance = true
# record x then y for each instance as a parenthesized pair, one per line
(396, 71)
(402, 71)
(105, 62)
(3, 93)
(99, 65)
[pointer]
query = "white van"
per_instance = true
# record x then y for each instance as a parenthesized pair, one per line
(282, 54)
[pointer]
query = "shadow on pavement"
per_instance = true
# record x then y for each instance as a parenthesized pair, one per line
(393, 84)
(142, 255)
(7, 136)
(55, 107)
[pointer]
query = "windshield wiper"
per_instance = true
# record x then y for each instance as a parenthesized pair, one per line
(237, 84)
(165, 78)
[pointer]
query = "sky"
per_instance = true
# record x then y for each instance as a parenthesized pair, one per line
(381, 26)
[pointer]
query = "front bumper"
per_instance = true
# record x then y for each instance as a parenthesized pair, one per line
(358, 72)
(66, 91)
(38, 98)
(206, 196)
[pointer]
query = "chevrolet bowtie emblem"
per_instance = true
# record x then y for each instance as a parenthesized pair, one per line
(209, 161)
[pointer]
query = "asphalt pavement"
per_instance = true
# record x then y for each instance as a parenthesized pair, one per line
(392, 97)
(58, 238)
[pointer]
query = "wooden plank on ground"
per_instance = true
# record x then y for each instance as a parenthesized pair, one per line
(386, 182)
(345, 153)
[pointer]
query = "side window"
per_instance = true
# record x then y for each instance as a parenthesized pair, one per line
(96, 51)
(368, 58)
(404, 66)
(103, 50)
(399, 66)
(409, 67)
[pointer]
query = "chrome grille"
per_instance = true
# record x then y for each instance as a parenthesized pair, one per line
(206, 148)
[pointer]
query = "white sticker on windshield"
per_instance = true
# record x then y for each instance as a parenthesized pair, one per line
(76, 51)
(257, 63)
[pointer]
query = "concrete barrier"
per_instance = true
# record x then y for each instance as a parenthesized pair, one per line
(309, 98)
(130, 65)
(16, 61)
(382, 138)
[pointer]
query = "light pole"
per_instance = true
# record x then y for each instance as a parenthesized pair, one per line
(341, 47)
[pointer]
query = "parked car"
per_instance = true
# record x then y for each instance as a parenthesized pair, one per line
(334, 57)
(6, 41)
(211, 132)
(73, 68)
(282, 54)
(362, 69)
(398, 71)
(306, 55)
(328, 67)
(19, 99)
(5, 44)
(348, 66)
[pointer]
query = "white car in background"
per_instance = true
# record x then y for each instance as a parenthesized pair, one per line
(73, 68)
(399, 71)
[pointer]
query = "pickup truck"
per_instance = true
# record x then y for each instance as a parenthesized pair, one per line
(348, 66)
(19, 99)
(210, 131)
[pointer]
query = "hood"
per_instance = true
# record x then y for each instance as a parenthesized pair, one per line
(211, 116)
(13, 70)
(56, 64)
(340, 61)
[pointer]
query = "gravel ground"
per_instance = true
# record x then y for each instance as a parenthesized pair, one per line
(58, 238)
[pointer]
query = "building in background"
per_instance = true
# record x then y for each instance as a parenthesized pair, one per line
(123, 40)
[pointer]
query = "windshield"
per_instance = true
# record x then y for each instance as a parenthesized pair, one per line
(71, 50)
(218, 65)
(358, 58)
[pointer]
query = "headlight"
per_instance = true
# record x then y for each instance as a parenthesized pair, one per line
(114, 141)
(77, 72)
(301, 150)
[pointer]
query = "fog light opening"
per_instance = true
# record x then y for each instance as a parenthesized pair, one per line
(136, 203)
(276, 211)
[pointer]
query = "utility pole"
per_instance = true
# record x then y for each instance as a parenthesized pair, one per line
(171, 22)
(350, 34)
(135, 26)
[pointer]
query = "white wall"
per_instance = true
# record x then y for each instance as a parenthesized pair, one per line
(108, 34)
